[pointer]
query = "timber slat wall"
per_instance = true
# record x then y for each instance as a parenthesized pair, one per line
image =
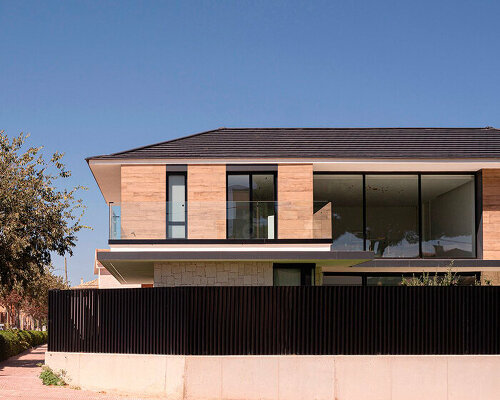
(276, 320)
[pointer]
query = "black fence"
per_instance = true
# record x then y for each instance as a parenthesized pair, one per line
(277, 320)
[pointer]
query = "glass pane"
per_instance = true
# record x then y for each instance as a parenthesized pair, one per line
(263, 206)
(177, 231)
(448, 216)
(467, 280)
(384, 280)
(176, 198)
(344, 195)
(342, 280)
(392, 215)
(115, 222)
(238, 206)
(287, 276)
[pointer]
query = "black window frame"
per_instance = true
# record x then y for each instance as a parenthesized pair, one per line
(477, 204)
(275, 193)
(365, 275)
(169, 223)
(305, 268)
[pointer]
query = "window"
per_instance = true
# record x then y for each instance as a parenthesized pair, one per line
(343, 194)
(251, 207)
(342, 280)
(384, 280)
(392, 215)
(176, 205)
(448, 222)
(387, 278)
(400, 215)
(293, 274)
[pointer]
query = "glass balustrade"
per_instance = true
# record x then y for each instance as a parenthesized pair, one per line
(243, 220)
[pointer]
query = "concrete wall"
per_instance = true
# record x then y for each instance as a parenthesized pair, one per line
(213, 273)
(285, 377)
(108, 281)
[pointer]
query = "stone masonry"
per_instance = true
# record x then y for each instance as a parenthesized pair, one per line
(213, 273)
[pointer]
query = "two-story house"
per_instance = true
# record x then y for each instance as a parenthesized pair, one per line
(303, 206)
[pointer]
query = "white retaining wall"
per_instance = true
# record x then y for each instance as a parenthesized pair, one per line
(285, 377)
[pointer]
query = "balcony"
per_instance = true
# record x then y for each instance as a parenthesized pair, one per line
(238, 220)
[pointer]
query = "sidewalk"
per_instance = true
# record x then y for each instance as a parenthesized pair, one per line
(19, 380)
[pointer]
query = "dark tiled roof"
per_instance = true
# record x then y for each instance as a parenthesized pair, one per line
(454, 143)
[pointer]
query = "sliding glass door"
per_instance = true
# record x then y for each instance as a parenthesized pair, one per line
(251, 205)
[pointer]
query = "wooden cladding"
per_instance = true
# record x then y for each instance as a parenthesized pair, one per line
(206, 196)
(143, 197)
(295, 201)
(491, 214)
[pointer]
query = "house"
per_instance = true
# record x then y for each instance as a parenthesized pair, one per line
(303, 206)
(93, 284)
(264, 245)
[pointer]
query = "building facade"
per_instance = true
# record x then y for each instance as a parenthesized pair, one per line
(303, 206)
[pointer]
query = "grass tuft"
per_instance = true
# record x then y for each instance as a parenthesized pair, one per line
(51, 378)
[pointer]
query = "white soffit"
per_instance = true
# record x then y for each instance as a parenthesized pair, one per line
(108, 178)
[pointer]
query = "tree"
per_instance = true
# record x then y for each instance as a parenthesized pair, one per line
(36, 296)
(31, 300)
(37, 217)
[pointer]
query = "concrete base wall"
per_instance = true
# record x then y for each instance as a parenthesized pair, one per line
(285, 377)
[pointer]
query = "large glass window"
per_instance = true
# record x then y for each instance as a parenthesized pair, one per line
(448, 222)
(392, 215)
(343, 195)
(400, 216)
(389, 279)
(251, 206)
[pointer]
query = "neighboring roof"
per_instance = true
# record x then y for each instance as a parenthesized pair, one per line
(399, 143)
(94, 284)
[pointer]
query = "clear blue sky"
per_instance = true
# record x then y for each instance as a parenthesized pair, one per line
(92, 77)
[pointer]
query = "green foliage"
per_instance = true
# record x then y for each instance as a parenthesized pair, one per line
(426, 279)
(37, 215)
(450, 278)
(14, 341)
(50, 378)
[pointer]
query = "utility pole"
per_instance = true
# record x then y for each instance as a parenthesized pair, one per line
(65, 270)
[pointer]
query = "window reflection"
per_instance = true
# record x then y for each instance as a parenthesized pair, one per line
(448, 221)
(238, 196)
(392, 215)
(250, 206)
(345, 194)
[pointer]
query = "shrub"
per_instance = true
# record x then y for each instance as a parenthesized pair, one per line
(14, 341)
(51, 378)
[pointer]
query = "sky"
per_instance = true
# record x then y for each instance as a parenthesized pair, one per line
(96, 77)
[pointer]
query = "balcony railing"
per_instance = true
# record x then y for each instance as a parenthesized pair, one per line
(220, 220)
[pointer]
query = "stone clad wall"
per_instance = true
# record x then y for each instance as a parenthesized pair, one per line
(206, 196)
(213, 273)
(143, 201)
(295, 201)
(491, 214)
